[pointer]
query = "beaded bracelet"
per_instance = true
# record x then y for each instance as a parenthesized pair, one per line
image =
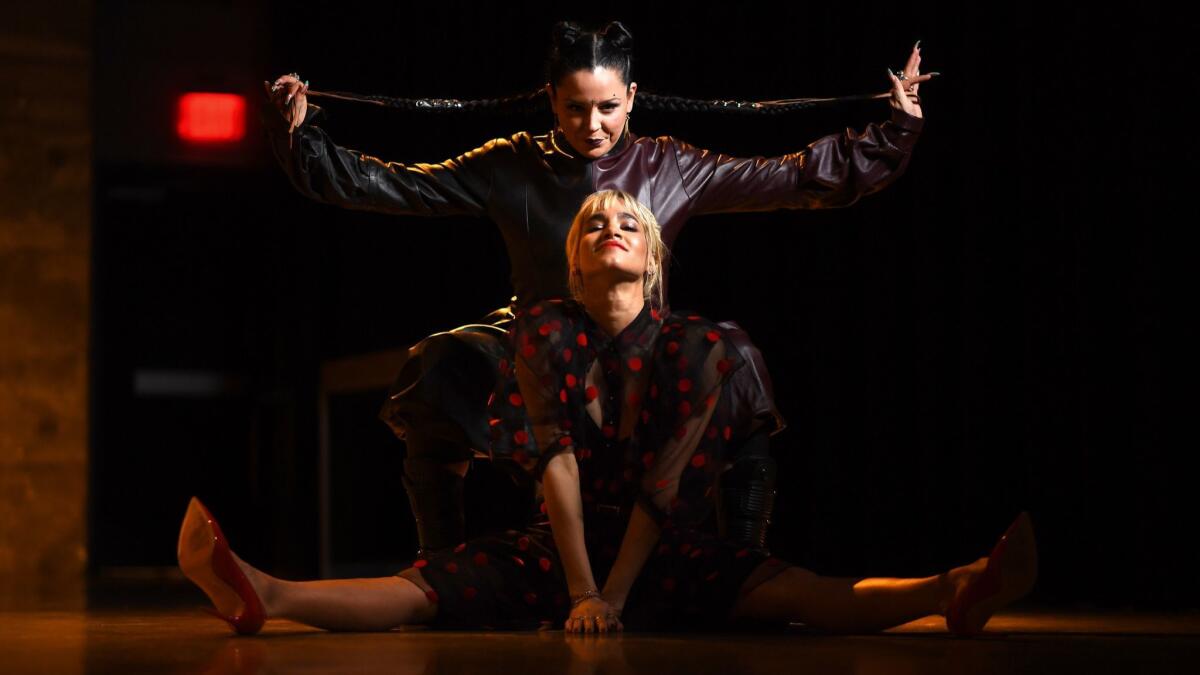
(576, 599)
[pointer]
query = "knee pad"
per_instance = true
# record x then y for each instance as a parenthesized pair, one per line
(435, 495)
(747, 494)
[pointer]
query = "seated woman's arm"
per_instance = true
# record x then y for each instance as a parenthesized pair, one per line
(640, 537)
(560, 485)
(544, 333)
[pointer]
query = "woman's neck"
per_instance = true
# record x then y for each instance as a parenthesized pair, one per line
(615, 307)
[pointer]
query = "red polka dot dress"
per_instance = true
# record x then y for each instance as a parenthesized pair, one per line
(648, 419)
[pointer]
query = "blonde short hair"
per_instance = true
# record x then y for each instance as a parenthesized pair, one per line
(656, 249)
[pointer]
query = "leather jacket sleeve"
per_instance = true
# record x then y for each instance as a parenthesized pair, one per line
(331, 174)
(833, 171)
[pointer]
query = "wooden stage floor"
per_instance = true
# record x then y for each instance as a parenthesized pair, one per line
(185, 640)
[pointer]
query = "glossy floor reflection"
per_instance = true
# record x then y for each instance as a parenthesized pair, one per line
(188, 641)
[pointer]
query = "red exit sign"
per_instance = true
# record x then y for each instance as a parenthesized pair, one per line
(211, 118)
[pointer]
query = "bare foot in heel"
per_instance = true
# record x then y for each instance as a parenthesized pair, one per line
(989, 584)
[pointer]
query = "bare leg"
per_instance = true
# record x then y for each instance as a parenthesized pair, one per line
(342, 604)
(852, 604)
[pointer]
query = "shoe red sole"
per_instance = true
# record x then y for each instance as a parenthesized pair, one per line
(205, 558)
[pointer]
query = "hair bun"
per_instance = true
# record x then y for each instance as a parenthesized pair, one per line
(616, 33)
(566, 33)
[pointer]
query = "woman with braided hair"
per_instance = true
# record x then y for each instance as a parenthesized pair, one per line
(620, 408)
(531, 186)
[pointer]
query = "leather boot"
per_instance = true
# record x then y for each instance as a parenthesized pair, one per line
(435, 494)
(747, 495)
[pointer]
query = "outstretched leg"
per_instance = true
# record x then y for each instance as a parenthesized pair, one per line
(245, 596)
(852, 604)
(967, 596)
(343, 604)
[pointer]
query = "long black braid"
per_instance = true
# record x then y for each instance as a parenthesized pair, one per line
(572, 48)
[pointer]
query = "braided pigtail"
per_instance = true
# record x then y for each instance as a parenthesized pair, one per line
(534, 102)
(573, 48)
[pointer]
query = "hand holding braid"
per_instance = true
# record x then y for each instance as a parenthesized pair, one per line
(904, 85)
(288, 95)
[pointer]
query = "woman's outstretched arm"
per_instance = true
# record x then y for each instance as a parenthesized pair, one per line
(834, 171)
(326, 172)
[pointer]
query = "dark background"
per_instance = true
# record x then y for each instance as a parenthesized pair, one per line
(996, 331)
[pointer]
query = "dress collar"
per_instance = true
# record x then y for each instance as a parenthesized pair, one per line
(639, 334)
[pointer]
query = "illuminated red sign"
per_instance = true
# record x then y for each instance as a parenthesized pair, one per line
(211, 118)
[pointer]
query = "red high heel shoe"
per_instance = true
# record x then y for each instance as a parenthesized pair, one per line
(1010, 573)
(205, 558)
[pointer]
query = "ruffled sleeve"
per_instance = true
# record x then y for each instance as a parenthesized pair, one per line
(686, 420)
(535, 408)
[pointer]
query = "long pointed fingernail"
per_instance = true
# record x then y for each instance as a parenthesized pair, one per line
(918, 45)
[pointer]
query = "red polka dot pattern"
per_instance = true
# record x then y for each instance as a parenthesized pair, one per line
(664, 376)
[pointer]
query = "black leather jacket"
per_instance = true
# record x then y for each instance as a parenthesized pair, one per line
(532, 186)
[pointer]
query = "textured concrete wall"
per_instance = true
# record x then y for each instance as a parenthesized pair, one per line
(45, 240)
